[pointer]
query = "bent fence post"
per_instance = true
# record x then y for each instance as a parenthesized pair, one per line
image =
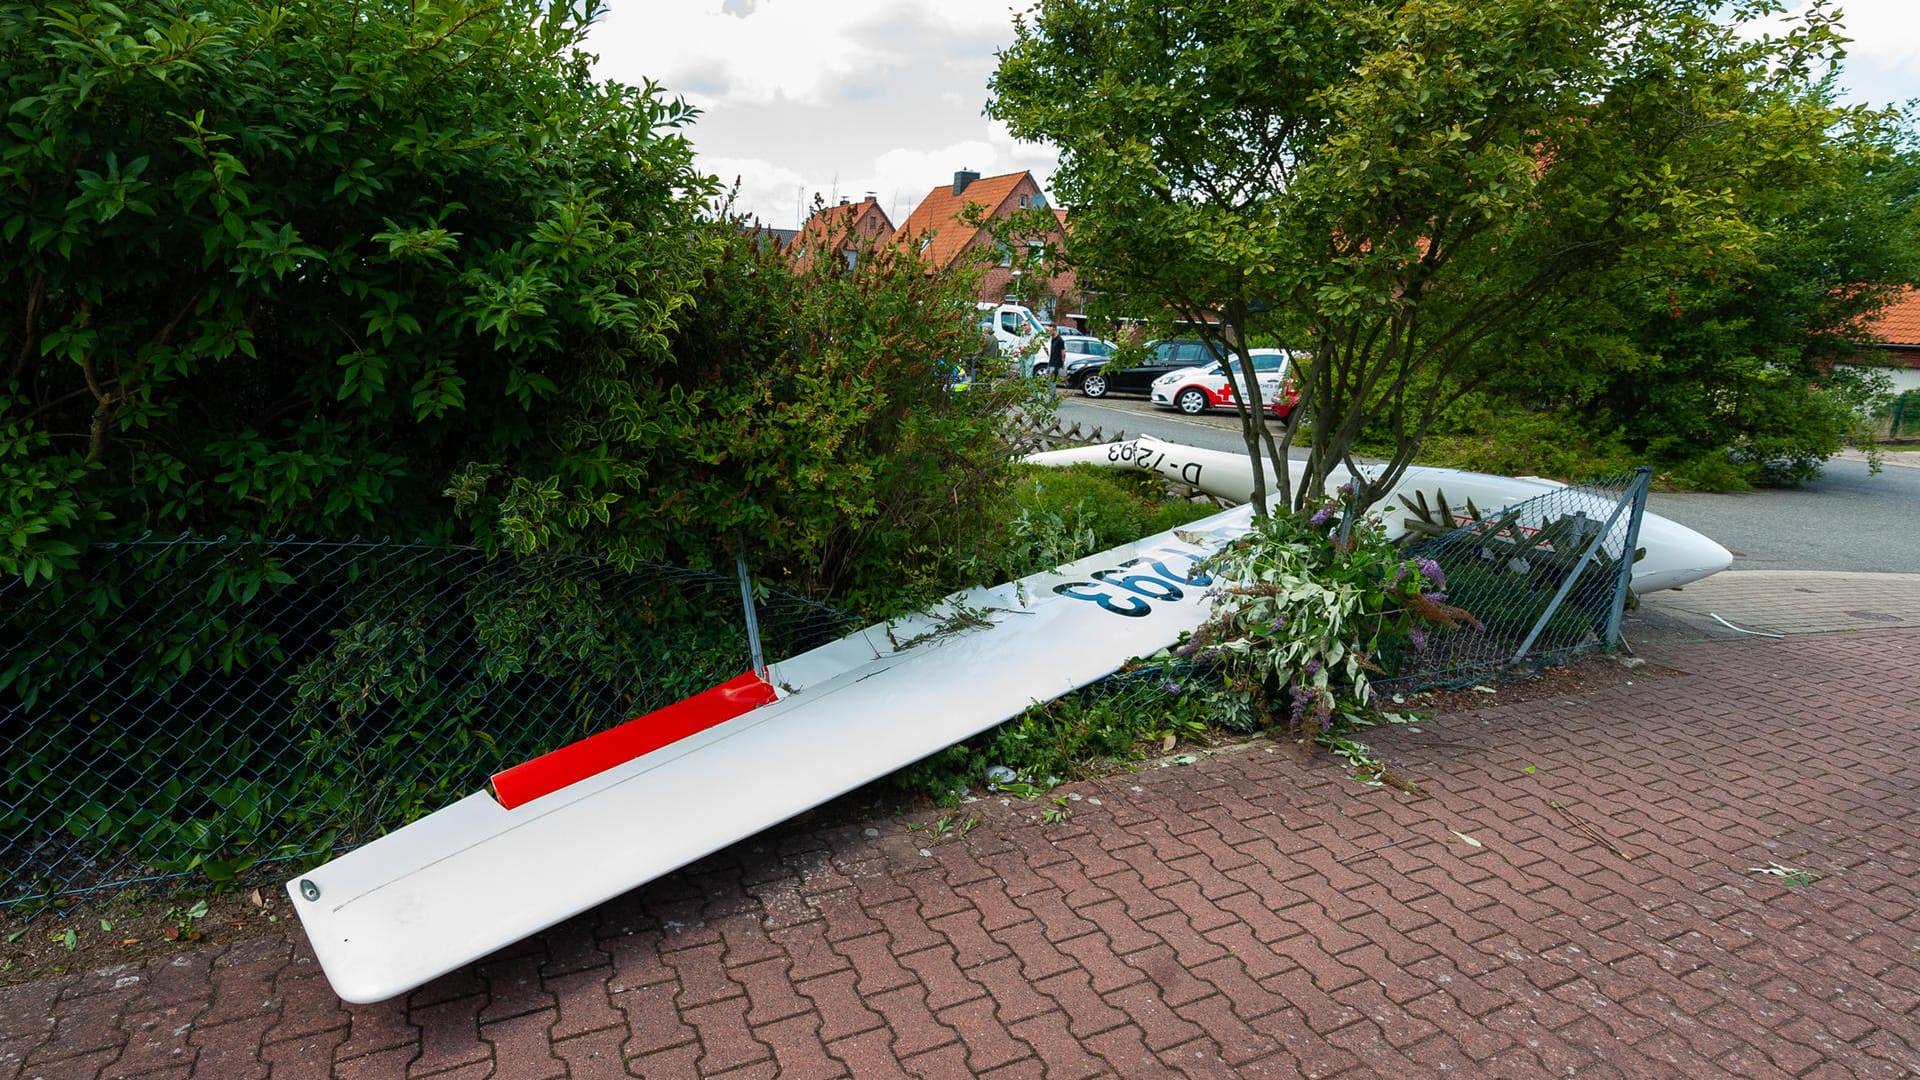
(1627, 499)
(1642, 484)
(752, 617)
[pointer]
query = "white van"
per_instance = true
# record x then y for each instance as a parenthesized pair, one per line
(1016, 330)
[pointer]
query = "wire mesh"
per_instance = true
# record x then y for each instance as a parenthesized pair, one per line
(190, 705)
(214, 707)
(1544, 579)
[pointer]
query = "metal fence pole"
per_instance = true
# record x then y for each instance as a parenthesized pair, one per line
(1642, 484)
(1626, 500)
(753, 619)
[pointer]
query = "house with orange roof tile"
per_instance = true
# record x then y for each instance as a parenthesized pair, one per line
(1893, 339)
(940, 230)
(840, 228)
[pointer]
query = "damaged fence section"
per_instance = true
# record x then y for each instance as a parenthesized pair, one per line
(1546, 579)
(193, 707)
(189, 706)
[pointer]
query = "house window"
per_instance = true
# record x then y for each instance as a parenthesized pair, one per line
(1023, 202)
(852, 257)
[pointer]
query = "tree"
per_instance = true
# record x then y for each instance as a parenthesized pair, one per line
(804, 421)
(1424, 190)
(408, 269)
(270, 269)
(1732, 378)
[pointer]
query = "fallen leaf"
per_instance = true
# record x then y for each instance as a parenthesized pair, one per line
(1464, 838)
(1167, 743)
(171, 933)
(254, 898)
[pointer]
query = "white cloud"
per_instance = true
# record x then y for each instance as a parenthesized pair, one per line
(1882, 65)
(800, 97)
(1885, 33)
(757, 52)
(768, 191)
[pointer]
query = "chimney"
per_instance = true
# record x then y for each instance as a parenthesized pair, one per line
(869, 198)
(962, 178)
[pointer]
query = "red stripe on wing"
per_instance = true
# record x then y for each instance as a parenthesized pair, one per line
(596, 754)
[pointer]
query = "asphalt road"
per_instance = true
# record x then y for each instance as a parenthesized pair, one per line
(1846, 520)
(1137, 416)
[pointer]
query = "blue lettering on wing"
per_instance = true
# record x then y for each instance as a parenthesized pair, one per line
(1129, 590)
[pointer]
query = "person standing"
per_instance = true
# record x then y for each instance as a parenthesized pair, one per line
(1057, 354)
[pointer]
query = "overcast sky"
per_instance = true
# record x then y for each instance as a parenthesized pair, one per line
(827, 97)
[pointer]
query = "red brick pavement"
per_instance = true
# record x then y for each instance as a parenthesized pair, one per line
(1251, 915)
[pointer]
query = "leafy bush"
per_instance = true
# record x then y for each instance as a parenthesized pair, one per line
(1315, 606)
(1900, 413)
(278, 269)
(1080, 734)
(804, 421)
(1066, 514)
(1483, 434)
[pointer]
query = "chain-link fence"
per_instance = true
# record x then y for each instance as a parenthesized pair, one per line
(184, 706)
(1545, 579)
(1902, 418)
(211, 706)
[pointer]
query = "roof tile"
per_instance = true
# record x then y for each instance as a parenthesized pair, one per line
(1899, 322)
(934, 226)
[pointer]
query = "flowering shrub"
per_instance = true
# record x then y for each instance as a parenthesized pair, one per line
(1310, 607)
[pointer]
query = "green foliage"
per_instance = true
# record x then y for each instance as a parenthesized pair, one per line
(1490, 434)
(1506, 603)
(1067, 514)
(211, 706)
(1063, 515)
(1315, 606)
(803, 419)
(272, 268)
(1424, 196)
(1079, 735)
(1900, 413)
(1728, 378)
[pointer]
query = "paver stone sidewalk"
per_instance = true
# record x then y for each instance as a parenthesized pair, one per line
(1575, 896)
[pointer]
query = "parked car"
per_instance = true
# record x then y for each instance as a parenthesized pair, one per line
(1195, 390)
(1164, 357)
(1195, 351)
(1084, 353)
